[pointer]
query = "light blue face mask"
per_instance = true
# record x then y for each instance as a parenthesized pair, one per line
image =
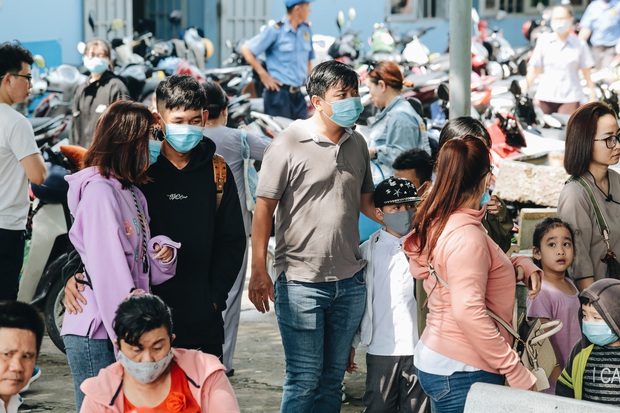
(183, 138)
(598, 332)
(96, 65)
(485, 198)
(154, 150)
(345, 112)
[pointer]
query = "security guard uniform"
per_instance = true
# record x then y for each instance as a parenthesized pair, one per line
(287, 52)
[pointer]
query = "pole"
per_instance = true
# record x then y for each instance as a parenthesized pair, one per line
(460, 58)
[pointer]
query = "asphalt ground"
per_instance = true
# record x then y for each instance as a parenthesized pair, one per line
(258, 363)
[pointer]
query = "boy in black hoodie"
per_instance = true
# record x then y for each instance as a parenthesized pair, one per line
(182, 204)
(181, 198)
(593, 368)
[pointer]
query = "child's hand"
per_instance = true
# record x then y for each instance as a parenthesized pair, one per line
(352, 366)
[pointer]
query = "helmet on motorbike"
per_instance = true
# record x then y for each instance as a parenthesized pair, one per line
(54, 189)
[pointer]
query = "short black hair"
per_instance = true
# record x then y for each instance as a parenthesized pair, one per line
(15, 314)
(464, 125)
(331, 74)
(217, 100)
(416, 159)
(12, 56)
(140, 314)
(180, 92)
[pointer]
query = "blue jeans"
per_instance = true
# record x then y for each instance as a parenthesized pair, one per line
(448, 393)
(317, 322)
(86, 357)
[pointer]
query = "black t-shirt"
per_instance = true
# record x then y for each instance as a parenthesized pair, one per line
(601, 378)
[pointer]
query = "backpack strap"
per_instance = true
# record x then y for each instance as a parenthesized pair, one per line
(219, 176)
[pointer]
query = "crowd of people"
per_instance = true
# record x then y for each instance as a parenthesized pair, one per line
(162, 228)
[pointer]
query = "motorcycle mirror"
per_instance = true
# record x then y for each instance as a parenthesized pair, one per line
(501, 15)
(352, 14)
(229, 43)
(81, 47)
(443, 92)
(39, 61)
(340, 20)
(522, 67)
(551, 121)
(515, 87)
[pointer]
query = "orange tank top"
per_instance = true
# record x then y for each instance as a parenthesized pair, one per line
(179, 400)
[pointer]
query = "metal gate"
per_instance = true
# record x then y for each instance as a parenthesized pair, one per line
(241, 19)
(108, 19)
(159, 12)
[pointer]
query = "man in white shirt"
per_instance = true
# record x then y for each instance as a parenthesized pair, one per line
(389, 326)
(20, 161)
(21, 333)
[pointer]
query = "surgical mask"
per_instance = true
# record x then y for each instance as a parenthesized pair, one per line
(345, 112)
(183, 138)
(598, 332)
(96, 65)
(145, 372)
(399, 222)
(485, 198)
(154, 150)
(560, 27)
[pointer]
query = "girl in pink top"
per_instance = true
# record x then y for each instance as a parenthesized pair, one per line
(559, 298)
(462, 344)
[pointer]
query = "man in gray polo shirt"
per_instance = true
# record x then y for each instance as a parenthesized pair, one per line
(317, 173)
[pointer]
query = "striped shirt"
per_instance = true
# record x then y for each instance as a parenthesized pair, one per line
(601, 378)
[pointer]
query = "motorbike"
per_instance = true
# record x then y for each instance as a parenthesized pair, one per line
(48, 224)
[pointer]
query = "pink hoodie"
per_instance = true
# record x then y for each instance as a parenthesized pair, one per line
(205, 374)
(479, 276)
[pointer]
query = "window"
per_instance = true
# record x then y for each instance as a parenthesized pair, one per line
(528, 7)
(417, 9)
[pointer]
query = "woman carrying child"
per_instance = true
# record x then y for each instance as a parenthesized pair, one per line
(559, 298)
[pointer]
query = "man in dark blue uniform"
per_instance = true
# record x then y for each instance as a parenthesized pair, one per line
(287, 45)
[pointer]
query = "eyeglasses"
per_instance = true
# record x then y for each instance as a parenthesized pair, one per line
(610, 141)
(27, 77)
(99, 55)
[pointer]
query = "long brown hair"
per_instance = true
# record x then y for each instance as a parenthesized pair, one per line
(461, 164)
(121, 143)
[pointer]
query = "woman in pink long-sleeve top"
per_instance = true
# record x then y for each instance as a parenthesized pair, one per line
(462, 344)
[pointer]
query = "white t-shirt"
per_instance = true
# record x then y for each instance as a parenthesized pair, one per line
(394, 310)
(16, 142)
(561, 61)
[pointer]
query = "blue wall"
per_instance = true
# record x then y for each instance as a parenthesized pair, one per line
(324, 12)
(58, 21)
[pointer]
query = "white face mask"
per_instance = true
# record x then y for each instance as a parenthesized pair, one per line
(561, 27)
(145, 372)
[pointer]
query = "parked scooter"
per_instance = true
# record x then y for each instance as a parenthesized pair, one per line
(48, 224)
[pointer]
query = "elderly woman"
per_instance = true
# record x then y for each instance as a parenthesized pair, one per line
(591, 148)
(397, 128)
(151, 374)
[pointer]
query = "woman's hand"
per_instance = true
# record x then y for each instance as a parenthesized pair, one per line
(372, 152)
(164, 254)
(534, 284)
(494, 206)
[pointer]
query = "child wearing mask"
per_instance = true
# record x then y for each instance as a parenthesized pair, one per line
(592, 370)
(389, 325)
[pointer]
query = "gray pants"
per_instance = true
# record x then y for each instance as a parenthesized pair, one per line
(232, 313)
(603, 56)
(392, 386)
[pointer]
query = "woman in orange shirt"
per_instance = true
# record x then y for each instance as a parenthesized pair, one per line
(150, 373)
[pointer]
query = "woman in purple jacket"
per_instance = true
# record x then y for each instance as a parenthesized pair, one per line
(111, 234)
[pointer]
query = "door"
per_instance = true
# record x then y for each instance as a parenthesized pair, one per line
(107, 19)
(240, 20)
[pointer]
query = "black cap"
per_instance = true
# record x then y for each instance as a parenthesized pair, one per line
(395, 191)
